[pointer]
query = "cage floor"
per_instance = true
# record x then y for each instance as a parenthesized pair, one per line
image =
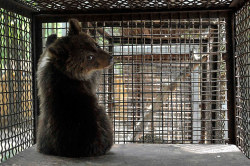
(143, 155)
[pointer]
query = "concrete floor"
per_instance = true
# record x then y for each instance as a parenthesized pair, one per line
(142, 155)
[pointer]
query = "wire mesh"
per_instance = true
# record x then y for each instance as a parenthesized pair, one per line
(242, 56)
(16, 116)
(79, 5)
(168, 81)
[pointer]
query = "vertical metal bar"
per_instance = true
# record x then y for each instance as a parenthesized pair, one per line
(113, 80)
(152, 77)
(192, 91)
(124, 79)
(18, 79)
(142, 75)
(133, 104)
(122, 38)
(110, 79)
(230, 66)
(9, 74)
(170, 80)
(36, 52)
(181, 88)
(214, 84)
(111, 72)
(104, 73)
(161, 88)
(202, 85)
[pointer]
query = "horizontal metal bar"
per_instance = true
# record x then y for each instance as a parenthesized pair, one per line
(16, 7)
(108, 16)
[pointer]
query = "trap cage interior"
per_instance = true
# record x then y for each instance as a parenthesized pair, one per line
(168, 81)
(177, 78)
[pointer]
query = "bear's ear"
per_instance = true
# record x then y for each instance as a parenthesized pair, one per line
(74, 27)
(51, 39)
(53, 50)
(58, 50)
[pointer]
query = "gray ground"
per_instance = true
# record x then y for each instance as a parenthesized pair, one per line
(143, 155)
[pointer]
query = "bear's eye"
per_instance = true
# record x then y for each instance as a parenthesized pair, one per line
(90, 58)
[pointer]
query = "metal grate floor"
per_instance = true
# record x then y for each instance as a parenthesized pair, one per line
(144, 154)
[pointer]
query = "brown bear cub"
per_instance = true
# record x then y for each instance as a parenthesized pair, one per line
(71, 123)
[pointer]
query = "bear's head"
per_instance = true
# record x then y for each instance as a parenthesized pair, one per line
(77, 54)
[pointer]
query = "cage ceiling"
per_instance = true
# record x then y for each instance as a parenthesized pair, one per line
(112, 5)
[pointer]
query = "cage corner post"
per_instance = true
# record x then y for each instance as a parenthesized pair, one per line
(36, 52)
(230, 66)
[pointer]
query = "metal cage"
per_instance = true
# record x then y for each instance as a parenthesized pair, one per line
(16, 85)
(179, 76)
(242, 54)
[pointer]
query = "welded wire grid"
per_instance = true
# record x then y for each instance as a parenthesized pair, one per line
(80, 5)
(16, 117)
(242, 56)
(168, 81)
(60, 29)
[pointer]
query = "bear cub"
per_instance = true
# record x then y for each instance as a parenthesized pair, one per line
(71, 123)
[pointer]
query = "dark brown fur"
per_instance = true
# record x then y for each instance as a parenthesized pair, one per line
(71, 123)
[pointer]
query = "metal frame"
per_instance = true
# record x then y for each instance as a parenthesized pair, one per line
(114, 6)
(134, 16)
(37, 51)
(18, 105)
(231, 77)
(62, 16)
